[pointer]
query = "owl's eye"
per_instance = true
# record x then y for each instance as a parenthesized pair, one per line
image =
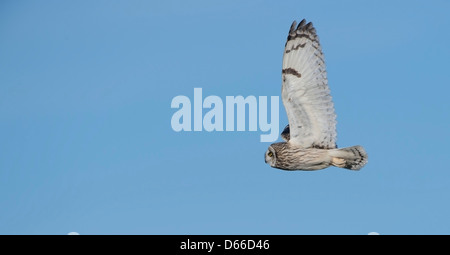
(270, 154)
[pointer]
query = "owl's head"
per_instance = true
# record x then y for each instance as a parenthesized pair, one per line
(271, 156)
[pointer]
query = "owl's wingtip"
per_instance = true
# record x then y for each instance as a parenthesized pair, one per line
(293, 27)
(302, 27)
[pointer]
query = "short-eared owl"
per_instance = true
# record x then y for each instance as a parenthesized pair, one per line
(310, 137)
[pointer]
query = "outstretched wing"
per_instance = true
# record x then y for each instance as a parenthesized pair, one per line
(305, 92)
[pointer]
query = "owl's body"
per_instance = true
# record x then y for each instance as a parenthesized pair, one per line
(290, 157)
(310, 137)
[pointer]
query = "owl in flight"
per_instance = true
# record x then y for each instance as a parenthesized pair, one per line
(310, 137)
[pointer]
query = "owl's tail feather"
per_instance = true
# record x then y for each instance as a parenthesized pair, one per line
(353, 158)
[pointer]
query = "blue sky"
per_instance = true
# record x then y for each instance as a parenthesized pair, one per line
(86, 143)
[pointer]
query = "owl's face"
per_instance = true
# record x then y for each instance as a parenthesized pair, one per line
(271, 157)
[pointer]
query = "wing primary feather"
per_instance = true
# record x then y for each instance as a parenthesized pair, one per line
(292, 29)
(301, 24)
(309, 26)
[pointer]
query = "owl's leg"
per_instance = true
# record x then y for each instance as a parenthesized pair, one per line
(353, 158)
(339, 162)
